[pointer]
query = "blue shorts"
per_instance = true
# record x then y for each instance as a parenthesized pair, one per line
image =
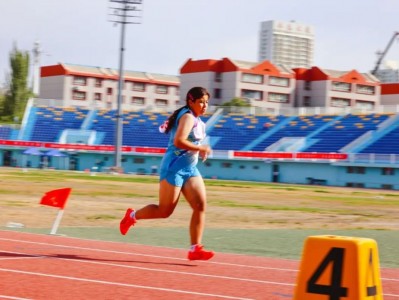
(180, 177)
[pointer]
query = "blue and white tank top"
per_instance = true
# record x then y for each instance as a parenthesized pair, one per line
(176, 158)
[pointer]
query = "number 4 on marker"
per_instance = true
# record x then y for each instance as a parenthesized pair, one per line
(334, 290)
(371, 290)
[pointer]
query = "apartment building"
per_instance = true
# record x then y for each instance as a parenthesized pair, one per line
(263, 84)
(97, 87)
(276, 87)
(286, 43)
(317, 87)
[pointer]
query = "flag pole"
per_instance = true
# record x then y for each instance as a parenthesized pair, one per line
(57, 221)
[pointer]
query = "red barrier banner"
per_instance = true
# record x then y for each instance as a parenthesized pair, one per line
(63, 146)
(289, 155)
(149, 150)
(250, 154)
(20, 143)
(85, 147)
(305, 155)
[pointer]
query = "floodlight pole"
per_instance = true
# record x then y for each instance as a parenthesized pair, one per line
(124, 14)
(119, 116)
(36, 66)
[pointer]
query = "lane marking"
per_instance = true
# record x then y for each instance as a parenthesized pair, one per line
(124, 243)
(155, 256)
(21, 255)
(13, 298)
(147, 255)
(149, 269)
(82, 260)
(18, 258)
(391, 279)
(124, 284)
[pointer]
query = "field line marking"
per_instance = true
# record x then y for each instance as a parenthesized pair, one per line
(155, 256)
(162, 270)
(19, 258)
(13, 298)
(123, 284)
(26, 255)
(146, 255)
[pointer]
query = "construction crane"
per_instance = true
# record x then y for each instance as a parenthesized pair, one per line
(381, 55)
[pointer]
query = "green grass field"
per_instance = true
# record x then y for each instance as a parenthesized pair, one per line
(243, 217)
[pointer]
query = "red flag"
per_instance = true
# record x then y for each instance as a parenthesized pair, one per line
(56, 198)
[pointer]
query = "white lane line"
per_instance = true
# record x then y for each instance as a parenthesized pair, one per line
(13, 298)
(147, 255)
(158, 256)
(82, 260)
(19, 258)
(124, 284)
(22, 255)
(166, 257)
(254, 267)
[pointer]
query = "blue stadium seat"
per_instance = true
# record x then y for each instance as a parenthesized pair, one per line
(5, 132)
(232, 131)
(344, 131)
(300, 126)
(51, 121)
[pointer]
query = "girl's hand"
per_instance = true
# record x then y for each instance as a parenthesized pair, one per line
(204, 151)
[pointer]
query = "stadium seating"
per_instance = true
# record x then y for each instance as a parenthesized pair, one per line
(387, 144)
(235, 131)
(142, 129)
(343, 131)
(139, 128)
(300, 126)
(51, 121)
(230, 131)
(5, 132)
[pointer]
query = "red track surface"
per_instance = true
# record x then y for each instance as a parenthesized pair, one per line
(36, 266)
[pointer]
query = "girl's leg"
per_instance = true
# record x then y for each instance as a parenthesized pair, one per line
(195, 194)
(168, 198)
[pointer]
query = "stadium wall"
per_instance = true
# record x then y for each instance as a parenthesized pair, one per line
(327, 172)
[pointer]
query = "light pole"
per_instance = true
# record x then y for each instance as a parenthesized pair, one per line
(36, 66)
(124, 12)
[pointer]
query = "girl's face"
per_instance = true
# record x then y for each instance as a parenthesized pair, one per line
(199, 106)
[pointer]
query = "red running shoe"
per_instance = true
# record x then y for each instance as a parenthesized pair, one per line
(198, 253)
(127, 222)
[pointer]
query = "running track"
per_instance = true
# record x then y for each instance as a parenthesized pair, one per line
(34, 266)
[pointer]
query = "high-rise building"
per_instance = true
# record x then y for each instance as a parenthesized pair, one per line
(287, 43)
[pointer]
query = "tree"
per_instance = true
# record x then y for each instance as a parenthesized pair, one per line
(1, 101)
(236, 105)
(237, 102)
(18, 91)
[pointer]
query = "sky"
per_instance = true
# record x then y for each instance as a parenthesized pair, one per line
(348, 33)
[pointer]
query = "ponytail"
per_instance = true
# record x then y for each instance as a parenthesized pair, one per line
(170, 122)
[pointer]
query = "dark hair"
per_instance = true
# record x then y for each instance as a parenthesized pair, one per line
(193, 94)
